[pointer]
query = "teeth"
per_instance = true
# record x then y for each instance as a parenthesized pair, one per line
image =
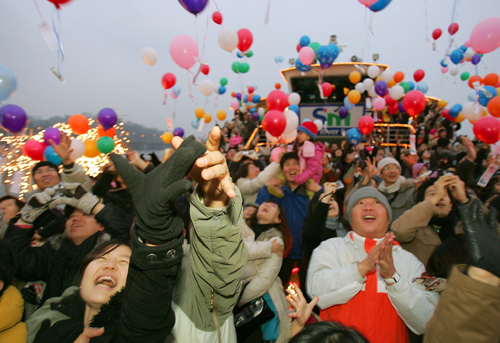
(106, 281)
(368, 217)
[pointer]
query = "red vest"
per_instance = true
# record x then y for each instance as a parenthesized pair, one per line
(370, 312)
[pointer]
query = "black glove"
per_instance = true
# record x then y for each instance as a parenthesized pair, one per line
(483, 239)
(153, 194)
(31, 295)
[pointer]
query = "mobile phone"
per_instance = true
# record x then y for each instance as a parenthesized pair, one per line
(339, 184)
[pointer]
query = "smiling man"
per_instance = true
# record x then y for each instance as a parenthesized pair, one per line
(365, 279)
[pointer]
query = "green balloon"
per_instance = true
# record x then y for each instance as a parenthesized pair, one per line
(223, 81)
(244, 67)
(250, 53)
(105, 144)
(314, 46)
(406, 86)
(236, 66)
(465, 75)
(261, 117)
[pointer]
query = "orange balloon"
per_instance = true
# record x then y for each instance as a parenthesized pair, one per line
(474, 79)
(221, 115)
(442, 103)
(460, 118)
(250, 97)
(208, 118)
(200, 112)
(167, 137)
(79, 124)
(399, 76)
(391, 83)
(277, 85)
(354, 96)
(354, 77)
(491, 79)
(494, 106)
(233, 94)
(483, 115)
(110, 133)
(91, 148)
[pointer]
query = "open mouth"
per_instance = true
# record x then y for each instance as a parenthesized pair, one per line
(441, 204)
(369, 218)
(106, 281)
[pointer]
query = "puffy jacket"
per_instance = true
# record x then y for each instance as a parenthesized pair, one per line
(311, 155)
(250, 187)
(12, 330)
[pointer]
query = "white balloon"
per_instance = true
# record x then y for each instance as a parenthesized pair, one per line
(149, 56)
(373, 71)
(292, 121)
(454, 71)
(472, 111)
(228, 39)
(294, 99)
(469, 53)
(372, 92)
(368, 84)
(243, 109)
(397, 92)
(387, 76)
(261, 111)
(78, 148)
(290, 137)
(319, 124)
(206, 87)
(270, 138)
(368, 102)
(359, 87)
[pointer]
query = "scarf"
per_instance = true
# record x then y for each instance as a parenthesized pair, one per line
(260, 228)
(337, 225)
(392, 188)
(445, 227)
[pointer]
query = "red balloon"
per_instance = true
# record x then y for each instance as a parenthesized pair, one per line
(390, 101)
(418, 75)
(327, 89)
(217, 17)
(299, 47)
(245, 39)
(414, 102)
(393, 109)
(487, 129)
(59, 2)
(205, 69)
(446, 114)
(436, 33)
(453, 28)
(168, 80)
(366, 124)
(34, 149)
(277, 100)
(274, 122)
(250, 89)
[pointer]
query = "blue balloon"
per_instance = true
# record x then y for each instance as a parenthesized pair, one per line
(343, 112)
(379, 5)
(455, 110)
(304, 41)
(294, 108)
(245, 99)
(335, 50)
(222, 90)
(176, 90)
(472, 96)
(256, 98)
(456, 56)
(483, 99)
(347, 103)
(50, 155)
(8, 82)
(463, 48)
(325, 55)
(195, 123)
(255, 86)
(301, 66)
(253, 110)
(239, 54)
(411, 84)
(423, 87)
(354, 136)
(444, 63)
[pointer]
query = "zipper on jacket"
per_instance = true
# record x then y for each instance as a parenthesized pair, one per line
(212, 300)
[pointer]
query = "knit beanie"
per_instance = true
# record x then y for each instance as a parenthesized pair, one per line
(44, 164)
(388, 160)
(310, 128)
(367, 192)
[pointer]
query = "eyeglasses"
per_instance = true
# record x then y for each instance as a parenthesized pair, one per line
(43, 171)
(393, 167)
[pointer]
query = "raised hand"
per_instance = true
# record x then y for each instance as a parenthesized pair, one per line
(63, 149)
(303, 309)
(386, 261)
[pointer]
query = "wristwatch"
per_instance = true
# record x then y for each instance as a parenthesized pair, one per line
(394, 278)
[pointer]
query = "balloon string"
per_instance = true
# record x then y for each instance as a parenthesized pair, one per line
(266, 20)
(217, 7)
(39, 12)
(205, 39)
(175, 108)
(190, 90)
(426, 22)
(367, 35)
(165, 99)
(60, 52)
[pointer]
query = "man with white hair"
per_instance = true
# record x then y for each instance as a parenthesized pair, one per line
(364, 280)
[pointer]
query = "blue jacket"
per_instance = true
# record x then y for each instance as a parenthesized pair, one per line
(295, 204)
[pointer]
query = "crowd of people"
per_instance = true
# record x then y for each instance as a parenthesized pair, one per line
(312, 242)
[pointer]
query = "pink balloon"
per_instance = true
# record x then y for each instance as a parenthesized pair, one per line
(379, 103)
(467, 43)
(307, 55)
(172, 94)
(184, 51)
(485, 37)
(444, 70)
(367, 3)
(235, 105)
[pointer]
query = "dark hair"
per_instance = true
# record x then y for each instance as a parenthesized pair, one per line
(282, 227)
(453, 251)
(443, 142)
(100, 250)
(243, 171)
(328, 332)
(288, 156)
(19, 203)
(7, 265)
(421, 190)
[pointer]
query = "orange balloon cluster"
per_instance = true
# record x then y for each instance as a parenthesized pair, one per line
(91, 148)
(110, 132)
(79, 124)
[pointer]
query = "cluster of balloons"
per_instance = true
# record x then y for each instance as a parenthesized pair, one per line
(311, 51)
(279, 59)
(229, 39)
(222, 87)
(200, 114)
(280, 121)
(375, 5)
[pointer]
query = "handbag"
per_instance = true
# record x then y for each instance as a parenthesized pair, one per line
(250, 317)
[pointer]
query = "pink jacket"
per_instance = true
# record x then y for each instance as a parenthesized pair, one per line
(310, 155)
(234, 141)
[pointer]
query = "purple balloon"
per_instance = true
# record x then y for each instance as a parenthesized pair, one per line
(107, 118)
(238, 96)
(475, 59)
(52, 133)
(381, 88)
(325, 65)
(401, 107)
(343, 112)
(13, 118)
(194, 6)
(255, 116)
(179, 132)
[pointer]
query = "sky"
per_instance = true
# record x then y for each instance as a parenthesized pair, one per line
(103, 41)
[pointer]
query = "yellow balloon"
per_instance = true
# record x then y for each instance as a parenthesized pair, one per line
(460, 118)
(379, 78)
(91, 148)
(498, 90)
(200, 112)
(208, 118)
(354, 96)
(391, 83)
(354, 77)
(167, 137)
(221, 115)
(442, 103)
